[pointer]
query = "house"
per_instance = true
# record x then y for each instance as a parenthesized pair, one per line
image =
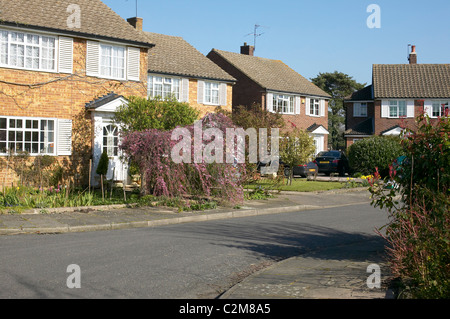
(397, 95)
(59, 58)
(177, 69)
(277, 88)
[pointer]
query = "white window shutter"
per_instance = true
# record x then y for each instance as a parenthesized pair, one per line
(308, 106)
(410, 108)
(322, 107)
(223, 94)
(93, 58)
(269, 102)
(133, 64)
(384, 108)
(65, 61)
(297, 104)
(185, 90)
(64, 141)
(200, 91)
(428, 107)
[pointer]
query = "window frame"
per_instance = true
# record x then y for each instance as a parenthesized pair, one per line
(358, 107)
(40, 46)
(42, 134)
(287, 103)
(102, 45)
(151, 86)
(397, 108)
(441, 109)
(210, 90)
(313, 108)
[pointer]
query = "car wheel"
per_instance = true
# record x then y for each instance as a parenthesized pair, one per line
(287, 172)
(342, 171)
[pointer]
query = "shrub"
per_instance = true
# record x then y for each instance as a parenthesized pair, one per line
(418, 234)
(378, 151)
(161, 176)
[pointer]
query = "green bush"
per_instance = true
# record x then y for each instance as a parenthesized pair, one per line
(418, 233)
(379, 151)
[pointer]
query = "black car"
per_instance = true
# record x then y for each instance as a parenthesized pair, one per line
(332, 162)
(305, 170)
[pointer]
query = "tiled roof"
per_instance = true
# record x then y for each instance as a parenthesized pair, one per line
(411, 80)
(272, 74)
(173, 55)
(363, 128)
(97, 20)
(364, 94)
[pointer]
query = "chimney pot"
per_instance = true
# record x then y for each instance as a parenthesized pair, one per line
(137, 23)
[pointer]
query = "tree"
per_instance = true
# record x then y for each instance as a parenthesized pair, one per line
(154, 113)
(339, 86)
(296, 148)
(102, 169)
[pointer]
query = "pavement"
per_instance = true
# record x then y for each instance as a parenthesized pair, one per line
(332, 273)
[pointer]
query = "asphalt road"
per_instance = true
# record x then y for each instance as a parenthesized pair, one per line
(196, 260)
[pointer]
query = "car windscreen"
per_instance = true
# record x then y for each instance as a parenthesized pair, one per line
(329, 154)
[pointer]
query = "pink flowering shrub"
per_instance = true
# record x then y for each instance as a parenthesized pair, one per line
(161, 176)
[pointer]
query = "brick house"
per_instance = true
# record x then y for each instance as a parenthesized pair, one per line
(277, 88)
(398, 94)
(176, 68)
(59, 58)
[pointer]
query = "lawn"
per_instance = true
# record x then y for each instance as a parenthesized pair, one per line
(298, 185)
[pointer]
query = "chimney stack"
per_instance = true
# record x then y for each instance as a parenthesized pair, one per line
(413, 55)
(137, 23)
(247, 49)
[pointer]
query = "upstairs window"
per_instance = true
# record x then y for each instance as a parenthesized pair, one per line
(27, 51)
(164, 87)
(283, 104)
(211, 93)
(440, 108)
(360, 109)
(314, 107)
(397, 108)
(112, 61)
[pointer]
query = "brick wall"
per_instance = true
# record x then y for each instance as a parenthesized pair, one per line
(57, 95)
(204, 108)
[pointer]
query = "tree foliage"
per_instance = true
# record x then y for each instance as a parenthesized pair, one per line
(154, 113)
(339, 85)
(296, 148)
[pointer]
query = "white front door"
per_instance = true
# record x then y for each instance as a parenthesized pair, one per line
(319, 143)
(107, 139)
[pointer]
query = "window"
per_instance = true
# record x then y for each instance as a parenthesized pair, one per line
(112, 61)
(360, 109)
(27, 51)
(440, 108)
(33, 135)
(314, 107)
(111, 140)
(283, 104)
(211, 93)
(397, 108)
(164, 87)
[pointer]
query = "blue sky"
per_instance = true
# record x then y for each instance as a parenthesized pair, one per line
(311, 37)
